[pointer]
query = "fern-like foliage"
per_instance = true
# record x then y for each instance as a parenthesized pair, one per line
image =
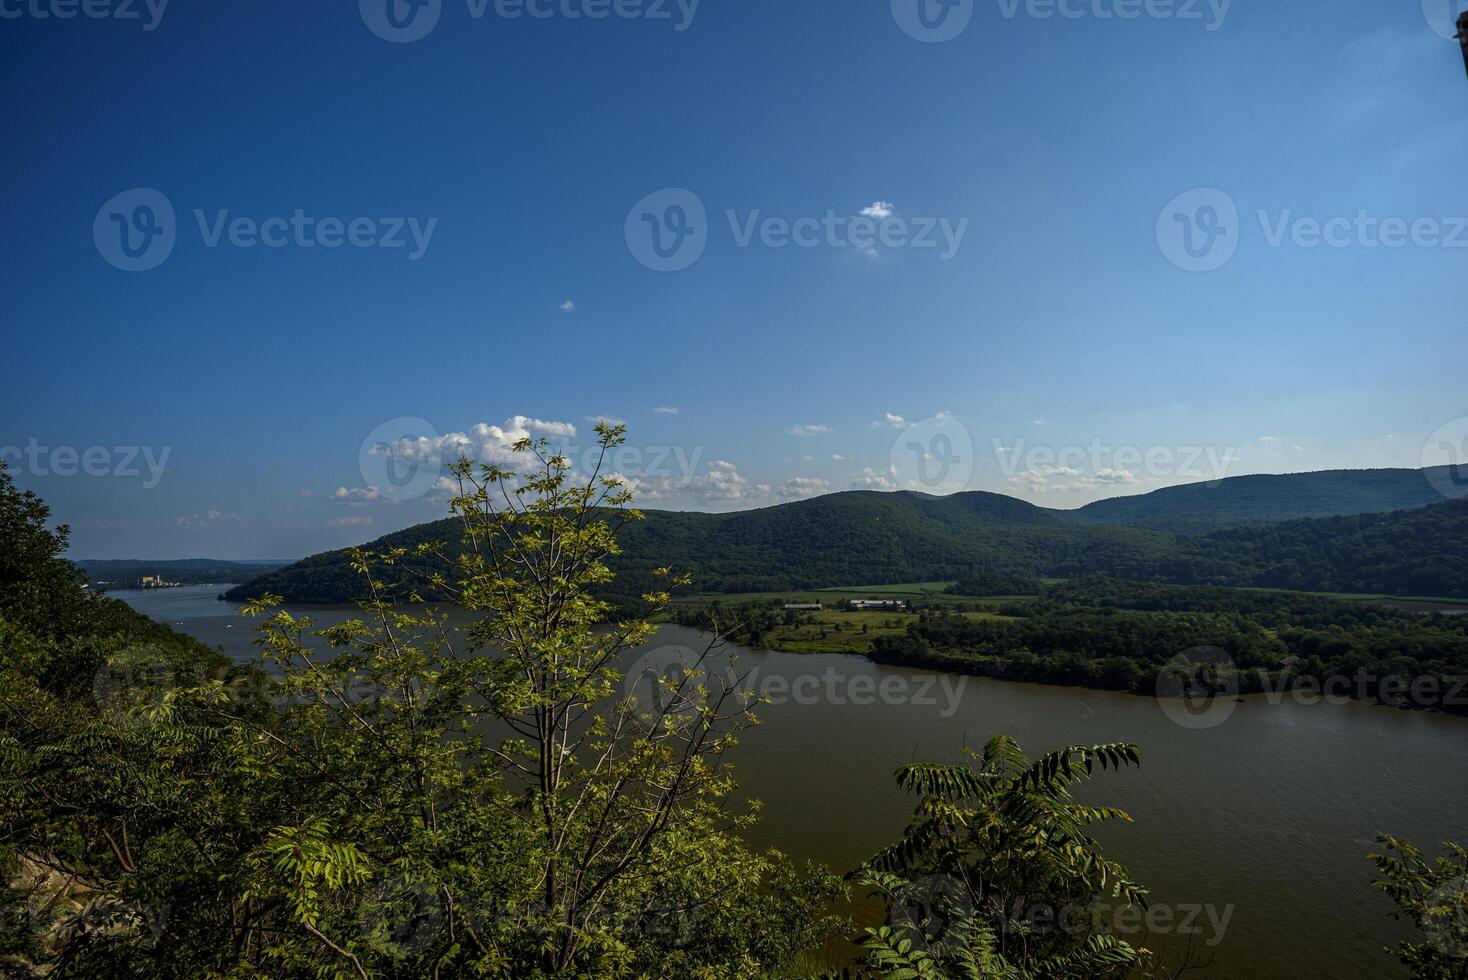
(992, 843)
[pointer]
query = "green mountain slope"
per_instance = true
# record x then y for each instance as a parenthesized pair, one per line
(1268, 498)
(1421, 552)
(832, 540)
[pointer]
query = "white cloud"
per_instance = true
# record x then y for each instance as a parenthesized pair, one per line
(870, 479)
(806, 431)
(1109, 477)
(355, 495)
(359, 521)
(881, 210)
(666, 410)
(483, 443)
(801, 486)
(1047, 479)
(890, 420)
(568, 307)
(721, 482)
(605, 420)
(838, 457)
(207, 519)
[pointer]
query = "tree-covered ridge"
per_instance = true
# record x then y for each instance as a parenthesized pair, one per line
(881, 538)
(1266, 498)
(827, 541)
(1422, 552)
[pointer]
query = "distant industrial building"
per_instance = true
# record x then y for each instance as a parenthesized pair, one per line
(878, 605)
(803, 607)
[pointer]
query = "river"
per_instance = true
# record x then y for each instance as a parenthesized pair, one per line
(1254, 830)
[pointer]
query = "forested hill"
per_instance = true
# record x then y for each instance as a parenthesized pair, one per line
(1422, 552)
(871, 538)
(1271, 498)
(837, 539)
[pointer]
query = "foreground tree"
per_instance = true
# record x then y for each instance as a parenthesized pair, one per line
(399, 798)
(1433, 896)
(989, 877)
(508, 808)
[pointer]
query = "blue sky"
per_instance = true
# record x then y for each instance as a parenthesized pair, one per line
(1045, 351)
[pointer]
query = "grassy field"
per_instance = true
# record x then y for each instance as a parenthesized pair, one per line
(835, 631)
(929, 593)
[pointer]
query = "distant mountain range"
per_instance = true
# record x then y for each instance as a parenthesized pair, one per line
(1368, 531)
(1265, 498)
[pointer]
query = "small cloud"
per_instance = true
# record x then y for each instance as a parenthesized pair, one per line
(838, 457)
(357, 521)
(801, 486)
(568, 307)
(605, 420)
(1037, 422)
(870, 479)
(666, 410)
(807, 431)
(211, 518)
(355, 495)
(881, 210)
(890, 420)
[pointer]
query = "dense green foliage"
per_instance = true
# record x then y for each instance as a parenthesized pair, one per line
(996, 856)
(982, 538)
(1433, 896)
(1117, 635)
(119, 814)
(1420, 552)
(980, 584)
(394, 805)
